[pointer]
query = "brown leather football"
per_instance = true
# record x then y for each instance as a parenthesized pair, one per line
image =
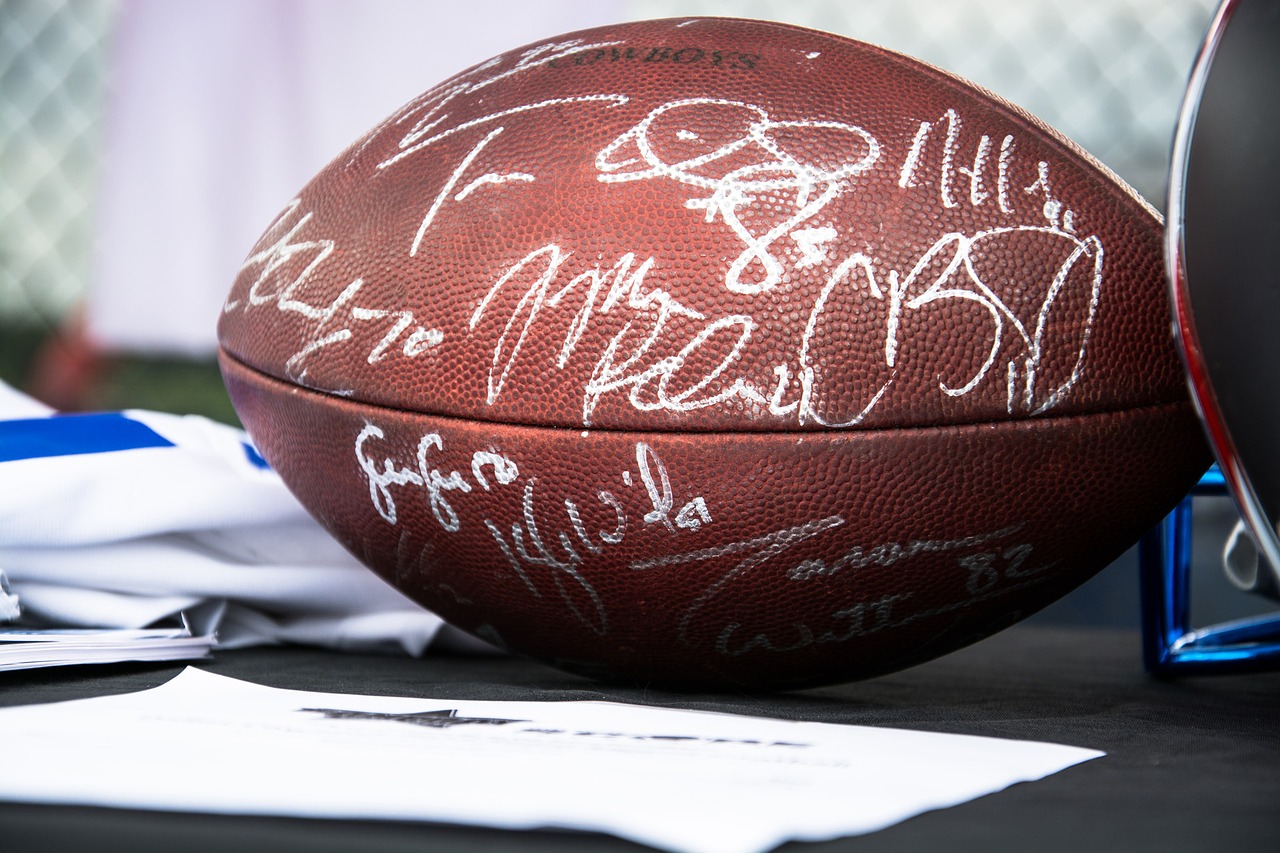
(716, 352)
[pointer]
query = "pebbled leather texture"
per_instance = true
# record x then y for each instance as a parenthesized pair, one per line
(717, 352)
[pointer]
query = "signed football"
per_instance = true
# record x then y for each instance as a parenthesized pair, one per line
(717, 353)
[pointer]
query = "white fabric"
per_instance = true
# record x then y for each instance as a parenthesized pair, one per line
(15, 404)
(125, 538)
(9, 609)
(91, 499)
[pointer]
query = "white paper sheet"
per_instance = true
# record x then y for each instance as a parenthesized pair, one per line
(675, 780)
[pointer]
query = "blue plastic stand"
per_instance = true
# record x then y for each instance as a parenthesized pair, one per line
(1170, 645)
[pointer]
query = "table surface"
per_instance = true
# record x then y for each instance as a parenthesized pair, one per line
(1192, 764)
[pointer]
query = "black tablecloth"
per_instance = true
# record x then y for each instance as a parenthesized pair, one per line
(1191, 764)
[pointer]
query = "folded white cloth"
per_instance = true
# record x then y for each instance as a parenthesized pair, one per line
(9, 609)
(123, 519)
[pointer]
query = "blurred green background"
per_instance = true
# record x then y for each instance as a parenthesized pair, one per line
(121, 381)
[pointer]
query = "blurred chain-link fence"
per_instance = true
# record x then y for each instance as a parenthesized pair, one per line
(52, 77)
(1108, 73)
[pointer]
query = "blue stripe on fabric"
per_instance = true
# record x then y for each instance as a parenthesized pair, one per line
(254, 457)
(75, 435)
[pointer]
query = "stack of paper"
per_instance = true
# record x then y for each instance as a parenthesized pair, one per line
(28, 648)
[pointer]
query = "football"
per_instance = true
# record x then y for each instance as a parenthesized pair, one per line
(717, 353)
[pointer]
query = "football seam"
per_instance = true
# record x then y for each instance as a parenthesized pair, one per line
(1037, 422)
